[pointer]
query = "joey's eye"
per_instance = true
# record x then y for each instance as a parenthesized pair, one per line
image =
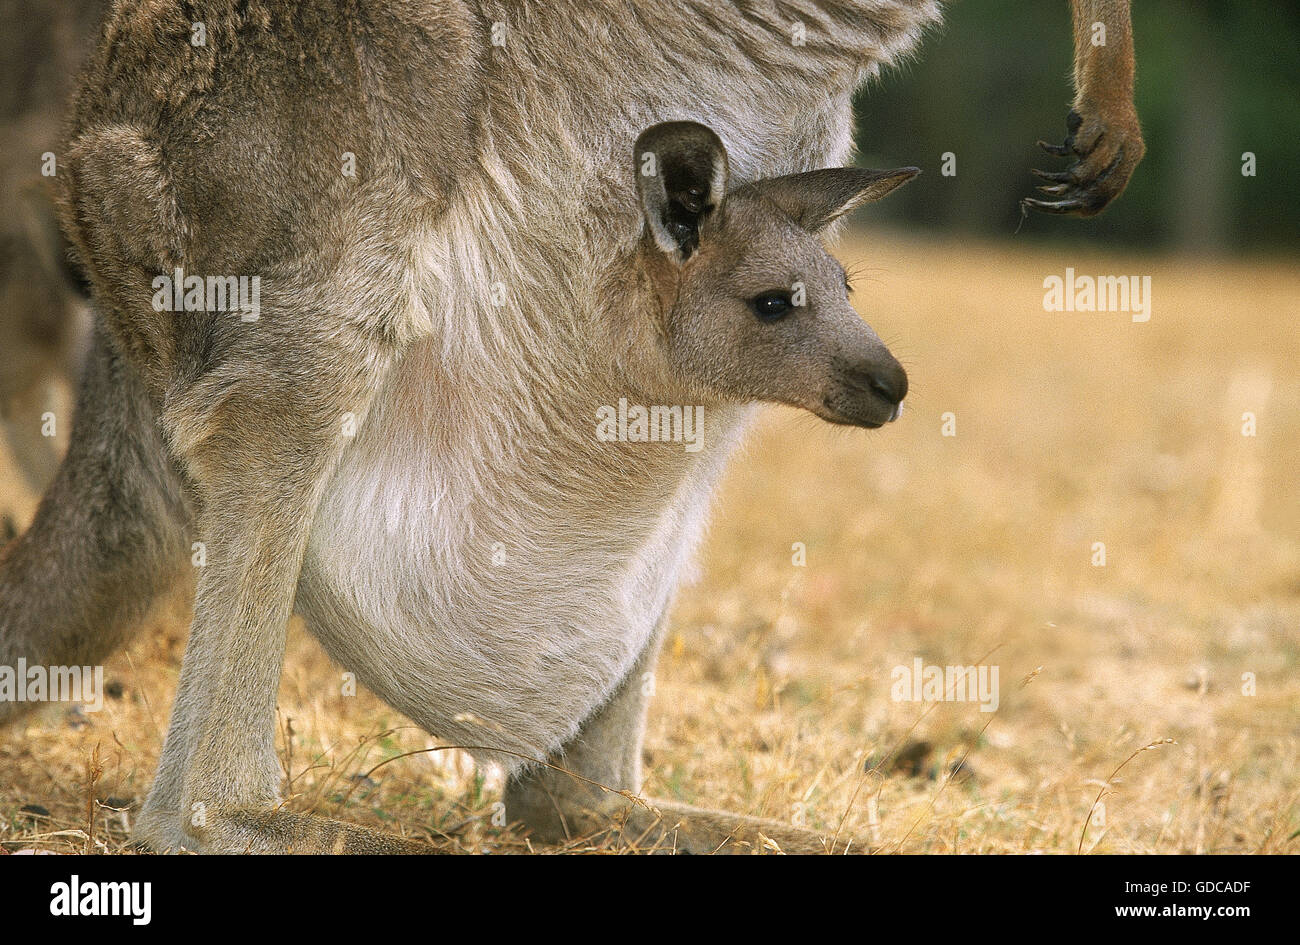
(771, 306)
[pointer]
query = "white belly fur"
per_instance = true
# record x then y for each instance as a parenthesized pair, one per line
(461, 594)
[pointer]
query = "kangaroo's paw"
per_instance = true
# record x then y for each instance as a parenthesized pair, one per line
(273, 831)
(1107, 146)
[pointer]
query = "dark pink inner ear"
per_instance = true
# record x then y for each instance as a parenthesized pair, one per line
(688, 180)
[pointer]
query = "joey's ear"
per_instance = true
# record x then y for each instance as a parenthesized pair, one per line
(681, 176)
(814, 199)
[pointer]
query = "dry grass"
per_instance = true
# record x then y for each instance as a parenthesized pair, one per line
(774, 690)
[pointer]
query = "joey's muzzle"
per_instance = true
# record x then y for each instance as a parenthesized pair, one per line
(866, 393)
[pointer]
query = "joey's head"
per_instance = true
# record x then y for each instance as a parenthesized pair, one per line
(751, 305)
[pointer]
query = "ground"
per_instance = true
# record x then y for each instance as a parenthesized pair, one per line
(837, 555)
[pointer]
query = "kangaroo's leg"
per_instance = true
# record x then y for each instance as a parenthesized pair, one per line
(108, 538)
(260, 434)
(605, 759)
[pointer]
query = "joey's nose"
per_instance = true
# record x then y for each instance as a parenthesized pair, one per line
(887, 381)
(867, 393)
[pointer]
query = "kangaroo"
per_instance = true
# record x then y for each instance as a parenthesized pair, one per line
(457, 274)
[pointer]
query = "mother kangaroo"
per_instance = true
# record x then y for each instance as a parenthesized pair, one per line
(454, 268)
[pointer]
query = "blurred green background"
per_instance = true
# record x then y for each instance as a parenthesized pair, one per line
(1215, 78)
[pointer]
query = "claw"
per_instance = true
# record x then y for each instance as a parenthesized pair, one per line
(1059, 206)
(1056, 177)
(1058, 150)
(1055, 190)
